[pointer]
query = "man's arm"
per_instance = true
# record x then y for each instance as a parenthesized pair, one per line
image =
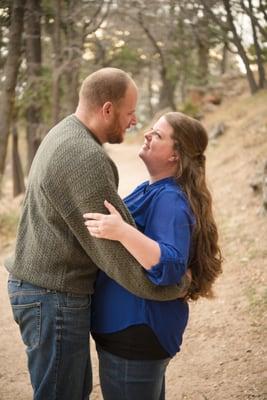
(92, 183)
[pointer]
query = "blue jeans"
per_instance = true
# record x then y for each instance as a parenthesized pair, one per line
(122, 379)
(55, 330)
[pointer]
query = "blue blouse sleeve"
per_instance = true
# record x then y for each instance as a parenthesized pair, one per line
(170, 224)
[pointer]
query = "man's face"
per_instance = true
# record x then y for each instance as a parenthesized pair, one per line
(123, 116)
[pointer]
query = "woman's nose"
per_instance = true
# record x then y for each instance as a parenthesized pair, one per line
(148, 135)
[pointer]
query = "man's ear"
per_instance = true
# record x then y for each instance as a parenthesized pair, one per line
(107, 109)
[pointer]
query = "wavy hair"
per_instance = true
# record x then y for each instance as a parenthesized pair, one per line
(190, 141)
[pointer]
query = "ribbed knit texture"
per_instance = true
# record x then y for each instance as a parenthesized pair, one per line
(70, 175)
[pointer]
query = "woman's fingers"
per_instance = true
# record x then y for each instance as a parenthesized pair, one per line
(95, 227)
(91, 223)
(98, 216)
(105, 226)
(111, 208)
(94, 233)
(93, 215)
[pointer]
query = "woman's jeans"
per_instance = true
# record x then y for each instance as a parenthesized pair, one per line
(122, 379)
(55, 330)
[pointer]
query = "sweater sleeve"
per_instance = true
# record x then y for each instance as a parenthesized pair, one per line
(170, 224)
(81, 186)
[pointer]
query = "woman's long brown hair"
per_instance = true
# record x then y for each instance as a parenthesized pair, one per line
(190, 141)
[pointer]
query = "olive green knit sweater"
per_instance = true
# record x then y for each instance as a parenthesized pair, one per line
(70, 175)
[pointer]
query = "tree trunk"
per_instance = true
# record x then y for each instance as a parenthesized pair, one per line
(57, 63)
(261, 70)
(202, 35)
(166, 98)
(72, 83)
(10, 73)
(34, 60)
(236, 39)
(75, 47)
(263, 9)
(18, 179)
(203, 62)
(224, 61)
(150, 91)
(241, 51)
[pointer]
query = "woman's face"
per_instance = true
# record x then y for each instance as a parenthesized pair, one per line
(157, 151)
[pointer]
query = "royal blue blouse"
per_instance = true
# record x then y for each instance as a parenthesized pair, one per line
(162, 212)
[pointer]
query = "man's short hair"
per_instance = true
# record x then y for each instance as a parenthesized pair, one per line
(106, 84)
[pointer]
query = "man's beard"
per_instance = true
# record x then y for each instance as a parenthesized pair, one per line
(115, 136)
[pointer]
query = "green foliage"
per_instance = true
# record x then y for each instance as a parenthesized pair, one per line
(48, 8)
(128, 59)
(172, 72)
(5, 11)
(190, 109)
(252, 53)
(36, 93)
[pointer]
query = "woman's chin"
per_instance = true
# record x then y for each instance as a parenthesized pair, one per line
(141, 154)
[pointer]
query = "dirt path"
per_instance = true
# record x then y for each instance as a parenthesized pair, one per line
(224, 352)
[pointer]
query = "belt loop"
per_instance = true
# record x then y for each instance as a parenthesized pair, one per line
(17, 282)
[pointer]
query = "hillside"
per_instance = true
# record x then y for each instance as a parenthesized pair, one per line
(223, 356)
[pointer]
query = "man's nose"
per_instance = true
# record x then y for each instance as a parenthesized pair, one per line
(134, 120)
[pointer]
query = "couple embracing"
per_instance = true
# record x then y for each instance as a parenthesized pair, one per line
(87, 261)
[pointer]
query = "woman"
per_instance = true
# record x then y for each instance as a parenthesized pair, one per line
(136, 338)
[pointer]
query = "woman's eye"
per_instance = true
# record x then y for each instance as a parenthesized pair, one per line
(155, 133)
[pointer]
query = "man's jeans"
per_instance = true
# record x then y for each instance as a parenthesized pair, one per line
(55, 330)
(122, 379)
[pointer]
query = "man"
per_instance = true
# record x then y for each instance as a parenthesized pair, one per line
(56, 261)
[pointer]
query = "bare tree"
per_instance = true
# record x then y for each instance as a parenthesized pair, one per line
(227, 24)
(166, 98)
(57, 44)
(224, 61)
(239, 45)
(34, 65)
(81, 21)
(69, 24)
(18, 177)
(257, 14)
(258, 50)
(10, 73)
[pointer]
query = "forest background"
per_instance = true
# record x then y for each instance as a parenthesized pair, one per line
(206, 58)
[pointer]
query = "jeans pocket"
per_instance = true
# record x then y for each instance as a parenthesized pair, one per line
(28, 317)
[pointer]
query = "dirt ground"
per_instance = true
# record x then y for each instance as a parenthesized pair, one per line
(223, 356)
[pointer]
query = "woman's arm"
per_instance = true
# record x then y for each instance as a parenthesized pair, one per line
(145, 250)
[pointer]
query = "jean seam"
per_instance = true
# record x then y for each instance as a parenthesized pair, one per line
(39, 322)
(125, 379)
(26, 293)
(59, 320)
(64, 308)
(37, 305)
